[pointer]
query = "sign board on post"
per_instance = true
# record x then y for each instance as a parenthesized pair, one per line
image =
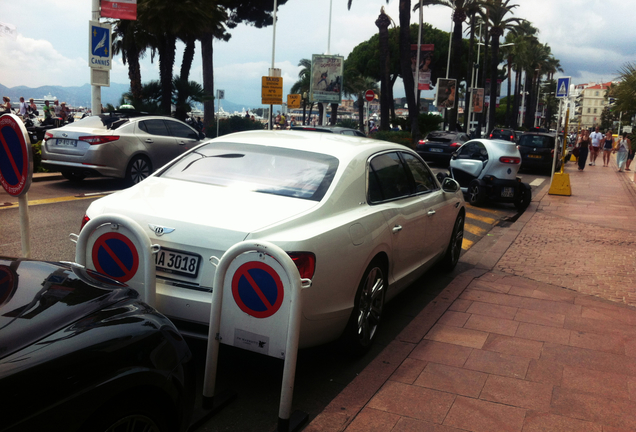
(99, 52)
(119, 9)
(563, 87)
(272, 90)
(16, 170)
(116, 246)
(293, 101)
(369, 95)
(326, 78)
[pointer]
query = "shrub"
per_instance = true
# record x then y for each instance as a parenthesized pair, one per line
(235, 123)
(398, 137)
(348, 123)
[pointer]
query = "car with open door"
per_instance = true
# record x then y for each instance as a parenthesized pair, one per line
(487, 170)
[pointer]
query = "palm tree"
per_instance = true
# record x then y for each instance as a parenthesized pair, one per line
(302, 85)
(131, 41)
(496, 11)
(461, 10)
(521, 36)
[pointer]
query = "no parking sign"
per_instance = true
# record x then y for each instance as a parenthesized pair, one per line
(256, 308)
(16, 170)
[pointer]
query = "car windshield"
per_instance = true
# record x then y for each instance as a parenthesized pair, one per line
(272, 170)
(538, 141)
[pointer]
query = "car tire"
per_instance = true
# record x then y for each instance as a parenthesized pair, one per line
(365, 318)
(524, 199)
(138, 169)
(455, 245)
(73, 176)
(130, 414)
(475, 193)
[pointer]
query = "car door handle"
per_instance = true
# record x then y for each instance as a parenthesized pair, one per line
(431, 212)
(397, 228)
(148, 140)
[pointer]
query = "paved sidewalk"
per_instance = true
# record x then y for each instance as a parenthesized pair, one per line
(539, 336)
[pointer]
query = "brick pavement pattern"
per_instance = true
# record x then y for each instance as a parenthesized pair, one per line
(539, 336)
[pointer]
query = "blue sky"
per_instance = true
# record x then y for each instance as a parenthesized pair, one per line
(591, 38)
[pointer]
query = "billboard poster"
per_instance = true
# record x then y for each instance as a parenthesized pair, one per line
(446, 93)
(478, 100)
(426, 57)
(120, 9)
(326, 78)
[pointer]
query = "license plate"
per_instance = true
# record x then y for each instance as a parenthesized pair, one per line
(534, 156)
(508, 192)
(176, 262)
(436, 150)
(66, 143)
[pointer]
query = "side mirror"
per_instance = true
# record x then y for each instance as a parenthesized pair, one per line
(450, 185)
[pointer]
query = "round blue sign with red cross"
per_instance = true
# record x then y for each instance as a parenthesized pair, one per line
(116, 256)
(15, 156)
(257, 289)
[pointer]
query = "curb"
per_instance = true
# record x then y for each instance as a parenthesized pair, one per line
(39, 177)
(342, 410)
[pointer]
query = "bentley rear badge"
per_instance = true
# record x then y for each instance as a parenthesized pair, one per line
(160, 230)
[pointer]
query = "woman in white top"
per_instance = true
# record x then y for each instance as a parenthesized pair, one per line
(621, 152)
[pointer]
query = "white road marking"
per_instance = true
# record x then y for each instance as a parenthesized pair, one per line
(537, 182)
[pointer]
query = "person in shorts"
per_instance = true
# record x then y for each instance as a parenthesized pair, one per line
(595, 138)
(608, 142)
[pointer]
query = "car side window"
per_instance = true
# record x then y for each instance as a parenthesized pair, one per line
(422, 176)
(181, 130)
(473, 150)
(154, 127)
(388, 178)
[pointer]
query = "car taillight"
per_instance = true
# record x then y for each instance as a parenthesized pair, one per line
(99, 139)
(48, 136)
(490, 136)
(85, 220)
(455, 145)
(512, 138)
(509, 160)
(305, 262)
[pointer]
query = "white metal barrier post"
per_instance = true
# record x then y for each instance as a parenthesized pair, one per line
(266, 269)
(116, 246)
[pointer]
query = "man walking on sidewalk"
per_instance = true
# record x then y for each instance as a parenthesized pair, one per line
(596, 138)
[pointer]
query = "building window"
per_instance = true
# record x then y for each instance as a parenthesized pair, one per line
(594, 110)
(589, 110)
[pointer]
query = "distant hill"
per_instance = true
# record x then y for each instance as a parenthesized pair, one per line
(81, 96)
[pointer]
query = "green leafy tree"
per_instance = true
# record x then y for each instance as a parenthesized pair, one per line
(131, 41)
(625, 91)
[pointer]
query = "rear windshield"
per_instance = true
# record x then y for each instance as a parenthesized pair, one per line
(536, 141)
(441, 137)
(102, 121)
(272, 170)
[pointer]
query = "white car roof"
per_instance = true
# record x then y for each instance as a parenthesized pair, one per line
(340, 146)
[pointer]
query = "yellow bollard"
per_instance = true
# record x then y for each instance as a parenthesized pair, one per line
(560, 184)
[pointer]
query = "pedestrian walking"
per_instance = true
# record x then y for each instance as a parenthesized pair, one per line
(630, 156)
(583, 146)
(607, 147)
(622, 150)
(595, 137)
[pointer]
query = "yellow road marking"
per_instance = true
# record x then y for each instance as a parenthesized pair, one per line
(466, 244)
(485, 219)
(51, 200)
(486, 210)
(473, 229)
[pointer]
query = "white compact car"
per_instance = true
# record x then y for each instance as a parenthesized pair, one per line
(360, 217)
(487, 171)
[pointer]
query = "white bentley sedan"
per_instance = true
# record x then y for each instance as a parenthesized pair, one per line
(361, 218)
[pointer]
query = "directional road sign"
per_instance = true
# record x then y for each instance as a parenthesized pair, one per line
(116, 256)
(293, 101)
(563, 87)
(16, 170)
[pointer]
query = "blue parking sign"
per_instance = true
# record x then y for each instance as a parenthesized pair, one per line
(563, 87)
(99, 56)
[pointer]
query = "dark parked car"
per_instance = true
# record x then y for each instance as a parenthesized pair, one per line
(503, 134)
(330, 129)
(438, 146)
(537, 151)
(82, 352)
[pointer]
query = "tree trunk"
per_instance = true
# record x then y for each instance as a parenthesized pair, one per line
(405, 67)
(186, 62)
(391, 98)
(383, 23)
(515, 105)
(508, 122)
(208, 79)
(456, 56)
(469, 75)
(321, 112)
(361, 101)
(530, 89)
(166, 63)
(334, 114)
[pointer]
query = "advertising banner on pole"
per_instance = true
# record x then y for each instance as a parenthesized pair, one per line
(120, 9)
(445, 93)
(426, 57)
(478, 100)
(326, 78)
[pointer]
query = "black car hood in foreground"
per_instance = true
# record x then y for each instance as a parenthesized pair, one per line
(39, 298)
